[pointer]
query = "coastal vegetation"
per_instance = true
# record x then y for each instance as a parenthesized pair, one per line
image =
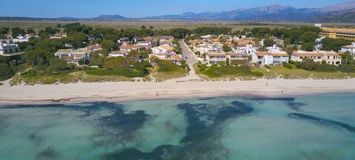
(38, 64)
(228, 71)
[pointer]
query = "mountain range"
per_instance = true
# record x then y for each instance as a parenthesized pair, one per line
(340, 13)
(344, 12)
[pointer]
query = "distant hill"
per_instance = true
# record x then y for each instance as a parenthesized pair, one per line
(109, 17)
(339, 7)
(347, 16)
(343, 12)
(340, 13)
(268, 13)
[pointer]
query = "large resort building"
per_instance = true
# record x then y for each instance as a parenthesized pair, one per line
(345, 33)
(330, 57)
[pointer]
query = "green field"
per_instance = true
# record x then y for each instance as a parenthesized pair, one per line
(38, 25)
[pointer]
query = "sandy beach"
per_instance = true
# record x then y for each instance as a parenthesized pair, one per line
(172, 89)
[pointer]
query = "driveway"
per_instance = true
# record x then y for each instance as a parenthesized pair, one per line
(190, 61)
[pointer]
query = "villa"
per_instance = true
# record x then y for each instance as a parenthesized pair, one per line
(249, 50)
(238, 55)
(128, 48)
(8, 48)
(144, 44)
(21, 39)
(273, 56)
(117, 54)
(213, 58)
(165, 53)
(73, 56)
(58, 36)
(330, 57)
(94, 47)
(163, 50)
(349, 48)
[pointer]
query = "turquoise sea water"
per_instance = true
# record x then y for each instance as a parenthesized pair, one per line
(319, 127)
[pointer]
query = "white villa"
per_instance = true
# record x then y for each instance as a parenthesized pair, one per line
(273, 56)
(349, 48)
(144, 44)
(8, 48)
(249, 50)
(330, 57)
(238, 55)
(165, 53)
(215, 57)
(20, 38)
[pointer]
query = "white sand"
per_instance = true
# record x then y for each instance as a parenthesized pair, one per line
(172, 89)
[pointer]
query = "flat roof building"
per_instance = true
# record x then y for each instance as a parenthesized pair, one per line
(346, 33)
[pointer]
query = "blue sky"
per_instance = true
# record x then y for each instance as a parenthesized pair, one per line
(137, 8)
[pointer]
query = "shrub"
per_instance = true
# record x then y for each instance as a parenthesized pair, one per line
(6, 71)
(288, 65)
(166, 66)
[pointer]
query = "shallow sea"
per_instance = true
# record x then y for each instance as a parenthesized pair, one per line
(317, 127)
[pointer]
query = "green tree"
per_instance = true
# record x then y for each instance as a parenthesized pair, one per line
(107, 45)
(334, 44)
(6, 71)
(17, 31)
(96, 59)
(179, 32)
(226, 48)
(77, 39)
(116, 63)
(268, 42)
(30, 31)
(308, 46)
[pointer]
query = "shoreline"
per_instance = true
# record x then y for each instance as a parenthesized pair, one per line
(171, 89)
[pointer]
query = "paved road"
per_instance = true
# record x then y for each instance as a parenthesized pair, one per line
(12, 54)
(190, 61)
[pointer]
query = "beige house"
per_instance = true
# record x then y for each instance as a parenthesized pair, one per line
(330, 57)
